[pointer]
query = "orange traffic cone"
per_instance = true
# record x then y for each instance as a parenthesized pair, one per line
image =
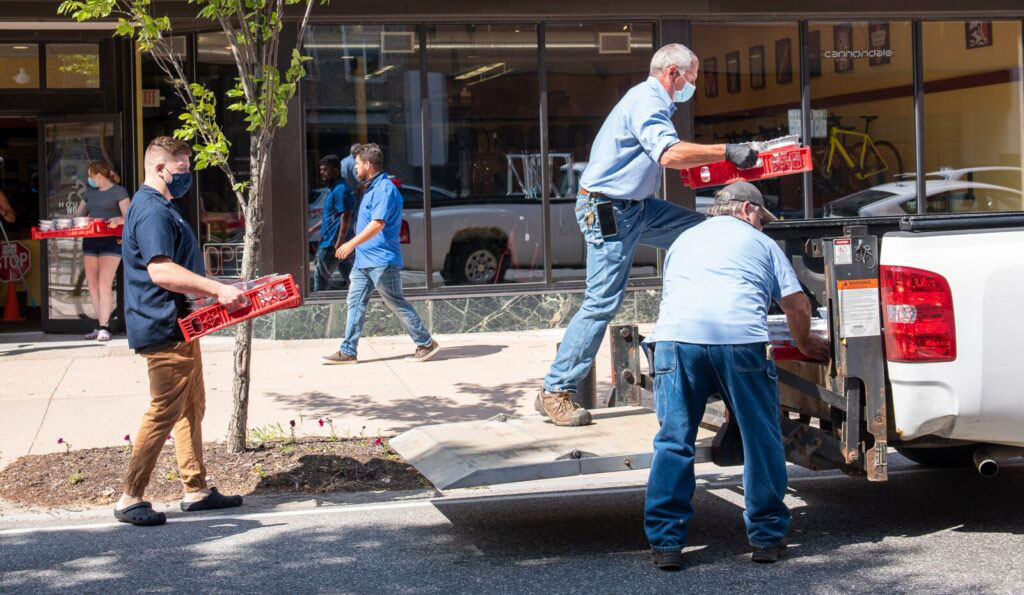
(12, 313)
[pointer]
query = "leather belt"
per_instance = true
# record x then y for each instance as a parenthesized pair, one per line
(586, 192)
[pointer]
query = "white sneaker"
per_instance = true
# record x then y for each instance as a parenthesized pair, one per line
(103, 335)
(92, 336)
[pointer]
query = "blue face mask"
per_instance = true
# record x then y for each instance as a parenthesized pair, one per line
(683, 95)
(91, 183)
(179, 184)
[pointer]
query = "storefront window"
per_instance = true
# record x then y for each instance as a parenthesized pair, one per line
(72, 66)
(19, 66)
(749, 89)
(862, 120)
(221, 223)
(973, 118)
(363, 87)
(590, 66)
(486, 206)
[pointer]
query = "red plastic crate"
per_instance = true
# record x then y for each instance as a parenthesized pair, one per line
(96, 229)
(772, 164)
(281, 293)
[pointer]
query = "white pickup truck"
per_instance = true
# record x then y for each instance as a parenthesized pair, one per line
(477, 239)
(948, 292)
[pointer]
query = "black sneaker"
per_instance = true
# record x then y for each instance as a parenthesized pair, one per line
(770, 554)
(337, 358)
(424, 353)
(669, 561)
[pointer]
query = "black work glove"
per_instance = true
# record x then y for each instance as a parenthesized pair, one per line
(742, 155)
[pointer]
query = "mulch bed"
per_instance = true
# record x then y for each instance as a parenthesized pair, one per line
(287, 466)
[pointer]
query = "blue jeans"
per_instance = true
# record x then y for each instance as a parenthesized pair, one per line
(326, 262)
(388, 282)
(686, 374)
(651, 222)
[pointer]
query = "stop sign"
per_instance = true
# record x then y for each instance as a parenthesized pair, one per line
(14, 261)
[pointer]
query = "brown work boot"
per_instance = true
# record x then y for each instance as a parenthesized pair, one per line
(560, 408)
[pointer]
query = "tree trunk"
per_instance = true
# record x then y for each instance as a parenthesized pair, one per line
(238, 426)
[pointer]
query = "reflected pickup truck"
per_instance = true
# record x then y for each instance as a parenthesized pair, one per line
(924, 314)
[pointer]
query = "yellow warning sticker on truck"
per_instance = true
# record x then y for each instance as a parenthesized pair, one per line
(859, 314)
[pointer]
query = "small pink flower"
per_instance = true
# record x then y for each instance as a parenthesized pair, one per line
(378, 442)
(321, 422)
(127, 438)
(60, 441)
(292, 423)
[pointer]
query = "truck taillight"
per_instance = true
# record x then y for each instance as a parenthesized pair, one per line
(403, 235)
(917, 307)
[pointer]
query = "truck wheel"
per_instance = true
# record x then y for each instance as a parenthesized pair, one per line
(943, 457)
(478, 262)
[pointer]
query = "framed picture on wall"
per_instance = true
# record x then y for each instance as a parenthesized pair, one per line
(979, 34)
(881, 44)
(756, 62)
(732, 72)
(842, 46)
(814, 53)
(710, 77)
(783, 61)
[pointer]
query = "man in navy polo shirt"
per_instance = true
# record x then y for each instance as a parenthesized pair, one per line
(378, 260)
(335, 225)
(162, 263)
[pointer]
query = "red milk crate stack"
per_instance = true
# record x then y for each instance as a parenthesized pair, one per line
(267, 294)
(770, 164)
(96, 229)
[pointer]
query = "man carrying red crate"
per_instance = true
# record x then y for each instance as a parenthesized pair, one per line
(616, 210)
(162, 262)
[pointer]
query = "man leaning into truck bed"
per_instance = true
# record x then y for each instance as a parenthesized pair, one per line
(712, 337)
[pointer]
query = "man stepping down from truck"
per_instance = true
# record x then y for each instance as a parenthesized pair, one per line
(712, 337)
(378, 261)
(616, 210)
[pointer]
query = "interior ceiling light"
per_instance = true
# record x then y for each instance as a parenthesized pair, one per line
(379, 71)
(21, 47)
(478, 71)
(22, 78)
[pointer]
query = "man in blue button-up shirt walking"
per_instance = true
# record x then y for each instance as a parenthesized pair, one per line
(616, 210)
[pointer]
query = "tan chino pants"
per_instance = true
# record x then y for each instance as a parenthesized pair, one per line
(177, 405)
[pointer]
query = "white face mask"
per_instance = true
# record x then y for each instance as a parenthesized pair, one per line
(683, 95)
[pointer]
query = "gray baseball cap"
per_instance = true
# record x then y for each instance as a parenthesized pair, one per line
(744, 192)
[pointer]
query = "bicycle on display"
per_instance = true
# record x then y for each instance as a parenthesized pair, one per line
(865, 159)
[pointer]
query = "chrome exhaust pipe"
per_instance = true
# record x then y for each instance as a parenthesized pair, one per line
(988, 458)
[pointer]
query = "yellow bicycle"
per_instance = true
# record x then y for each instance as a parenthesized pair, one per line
(873, 158)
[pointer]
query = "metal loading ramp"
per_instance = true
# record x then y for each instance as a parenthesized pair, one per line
(507, 449)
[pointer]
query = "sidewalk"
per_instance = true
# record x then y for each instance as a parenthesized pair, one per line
(92, 394)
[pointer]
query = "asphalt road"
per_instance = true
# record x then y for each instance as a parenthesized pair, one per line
(923, 531)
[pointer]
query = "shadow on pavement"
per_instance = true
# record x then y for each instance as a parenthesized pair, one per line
(848, 535)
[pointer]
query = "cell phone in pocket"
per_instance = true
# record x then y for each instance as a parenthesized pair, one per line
(606, 219)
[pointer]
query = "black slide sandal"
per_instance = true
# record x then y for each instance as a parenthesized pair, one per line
(140, 515)
(214, 501)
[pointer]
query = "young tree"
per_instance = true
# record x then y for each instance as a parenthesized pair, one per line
(261, 92)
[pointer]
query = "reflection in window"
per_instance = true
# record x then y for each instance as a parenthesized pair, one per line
(72, 66)
(590, 66)
(486, 208)
(748, 88)
(19, 66)
(363, 87)
(221, 223)
(973, 118)
(862, 105)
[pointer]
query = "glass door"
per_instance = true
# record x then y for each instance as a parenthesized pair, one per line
(67, 146)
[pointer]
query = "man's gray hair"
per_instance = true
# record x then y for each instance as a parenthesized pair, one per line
(673, 54)
(731, 207)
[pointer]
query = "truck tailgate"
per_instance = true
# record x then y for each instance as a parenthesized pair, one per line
(979, 396)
